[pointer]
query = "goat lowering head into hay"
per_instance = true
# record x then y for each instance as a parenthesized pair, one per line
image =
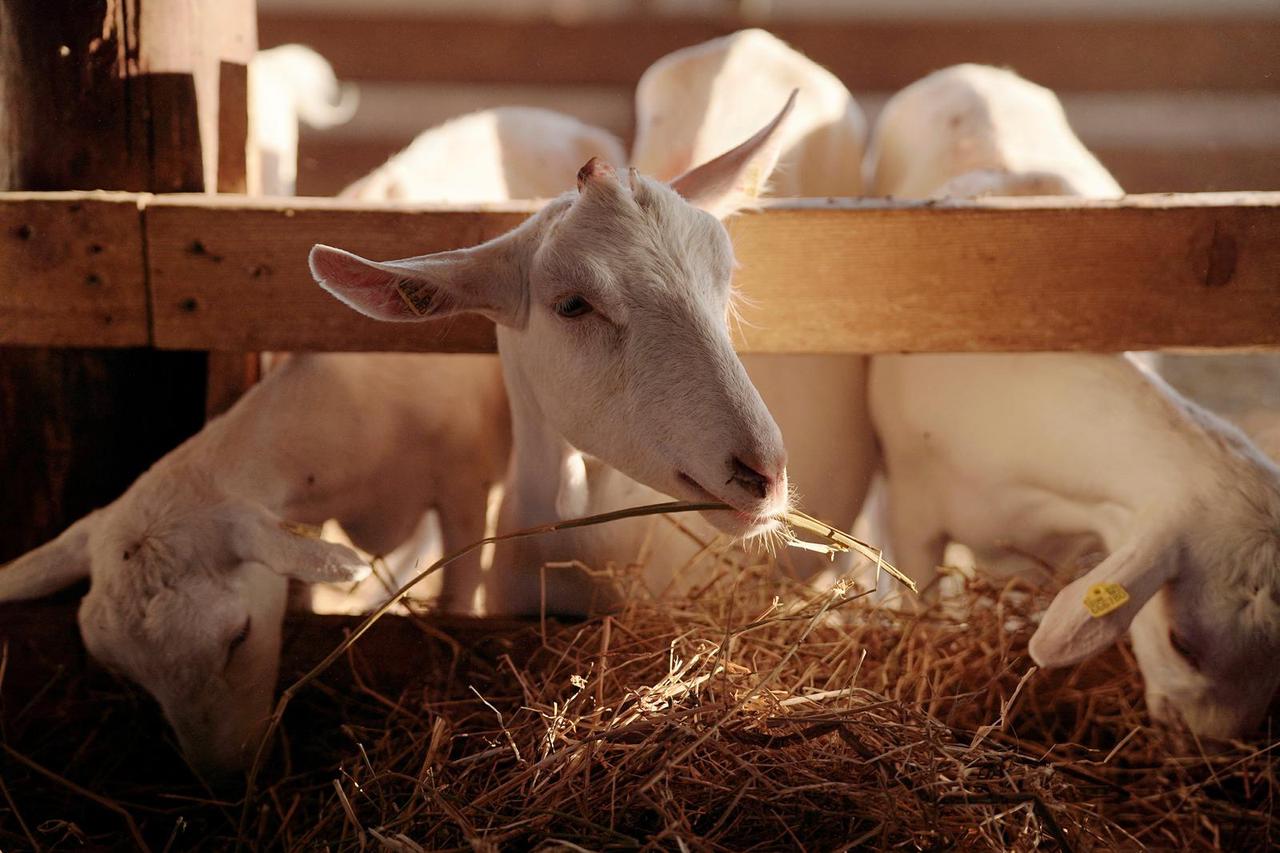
(1057, 455)
(185, 596)
(188, 568)
(611, 306)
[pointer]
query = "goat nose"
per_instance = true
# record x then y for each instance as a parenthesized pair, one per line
(749, 478)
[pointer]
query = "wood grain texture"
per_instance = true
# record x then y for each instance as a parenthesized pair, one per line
(97, 94)
(72, 271)
(1102, 54)
(190, 55)
(73, 104)
(233, 128)
(1153, 272)
(232, 274)
(839, 276)
(229, 273)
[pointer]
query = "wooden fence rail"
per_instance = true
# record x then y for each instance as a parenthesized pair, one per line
(1110, 53)
(229, 273)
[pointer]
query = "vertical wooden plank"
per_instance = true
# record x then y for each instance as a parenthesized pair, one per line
(230, 375)
(184, 48)
(233, 127)
(110, 94)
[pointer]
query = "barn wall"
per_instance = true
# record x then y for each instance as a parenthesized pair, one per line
(101, 95)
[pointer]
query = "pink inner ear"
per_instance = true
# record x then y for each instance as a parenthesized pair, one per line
(360, 284)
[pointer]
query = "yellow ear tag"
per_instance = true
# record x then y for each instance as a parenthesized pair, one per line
(300, 529)
(416, 295)
(1103, 598)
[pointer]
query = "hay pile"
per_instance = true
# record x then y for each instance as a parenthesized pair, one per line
(750, 714)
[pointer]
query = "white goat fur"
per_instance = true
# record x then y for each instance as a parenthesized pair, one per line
(1058, 455)
(637, 396)
(491, 155)
(198, 547)
(696, 102)
(287, 85)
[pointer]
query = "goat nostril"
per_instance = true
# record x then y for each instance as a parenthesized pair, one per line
(748, 478)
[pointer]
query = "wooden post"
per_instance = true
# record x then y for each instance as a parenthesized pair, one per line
(108, 94)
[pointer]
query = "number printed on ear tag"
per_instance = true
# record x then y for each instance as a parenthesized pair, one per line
(417, 295)
(1103, 598)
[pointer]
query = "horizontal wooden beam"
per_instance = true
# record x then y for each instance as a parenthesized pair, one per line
(72, 270)
(232, 273)
(1099, 54)
(229, 273)
(819, 277)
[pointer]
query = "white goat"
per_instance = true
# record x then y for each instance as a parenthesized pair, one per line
(1059, 455)
(694, 103)
(491, 155)
(287, 85)
(1043, 157)
(188, 568)
(371, 440)
(611, 308)
(972, 130)
(690, 103)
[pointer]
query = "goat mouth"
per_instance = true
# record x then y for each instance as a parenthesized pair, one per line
(747, 519)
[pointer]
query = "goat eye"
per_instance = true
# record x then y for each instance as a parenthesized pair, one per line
(573, 306)
(1183, 649)
(238, 640)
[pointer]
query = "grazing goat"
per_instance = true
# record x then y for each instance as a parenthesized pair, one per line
(191, 612)
(1059, 456)
(611, 306)
(696, 102)
(188, 569)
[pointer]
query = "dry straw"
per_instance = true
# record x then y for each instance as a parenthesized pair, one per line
(748, 713)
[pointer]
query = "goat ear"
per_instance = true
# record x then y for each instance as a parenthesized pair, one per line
(482, 280)
(737, 177)
(51, 567)
(1087, 616)
(291, 549)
